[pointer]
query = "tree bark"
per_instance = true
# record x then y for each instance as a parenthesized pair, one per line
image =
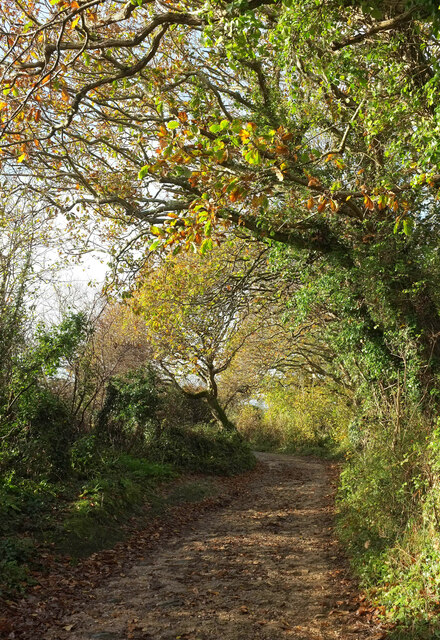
(219, 413)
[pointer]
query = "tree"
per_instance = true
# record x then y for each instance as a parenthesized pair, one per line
(200, 312)
(116, 344)
(313, 124)
(25, 236)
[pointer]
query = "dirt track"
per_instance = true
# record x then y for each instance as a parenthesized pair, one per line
(266, 567)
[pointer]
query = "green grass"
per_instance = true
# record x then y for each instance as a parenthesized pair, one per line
(77, 517)
(91, 508)
(415, 631)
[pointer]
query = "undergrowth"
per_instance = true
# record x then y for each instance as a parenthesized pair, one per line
(90, 508)
(205, 448)
(77, 516)
(309, 420)
(389, 505)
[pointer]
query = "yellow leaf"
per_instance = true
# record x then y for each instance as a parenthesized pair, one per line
(369, 203)
(22, 157)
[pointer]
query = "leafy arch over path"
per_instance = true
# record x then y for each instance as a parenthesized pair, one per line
(313, 123)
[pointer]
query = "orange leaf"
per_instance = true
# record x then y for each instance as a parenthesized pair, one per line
(310, 203)
(369, 203)
(234, 196)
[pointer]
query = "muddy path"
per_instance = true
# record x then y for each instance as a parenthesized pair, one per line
(265, 567)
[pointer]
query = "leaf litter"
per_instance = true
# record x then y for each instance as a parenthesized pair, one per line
(257, 561)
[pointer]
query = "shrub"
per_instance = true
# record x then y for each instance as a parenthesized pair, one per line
(14, 553)
(178, 408)
(309, 419)
(389, 500)
(129, 412)
(204, 448)
(85, 455)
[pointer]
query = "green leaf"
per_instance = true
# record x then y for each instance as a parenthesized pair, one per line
(376, 14)
(173, 124)
(155, 244)
(144, 171)
(408, 225)
(253, 156)
(206, 246)
(203, 215)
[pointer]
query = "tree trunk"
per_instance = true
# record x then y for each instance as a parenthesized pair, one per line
(219, 413)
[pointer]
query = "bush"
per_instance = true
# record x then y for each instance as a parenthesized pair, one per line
(250, 424)
(178, 408)
(22, 501)
(14, 553)
(85, 455)
(389, 507)
(203, 448)
(309, 419)
(129, 412)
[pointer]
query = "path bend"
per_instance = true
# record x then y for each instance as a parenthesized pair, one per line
(266, 567)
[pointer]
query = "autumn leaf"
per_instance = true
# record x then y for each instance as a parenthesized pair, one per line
(322, 206)
(368, 203)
